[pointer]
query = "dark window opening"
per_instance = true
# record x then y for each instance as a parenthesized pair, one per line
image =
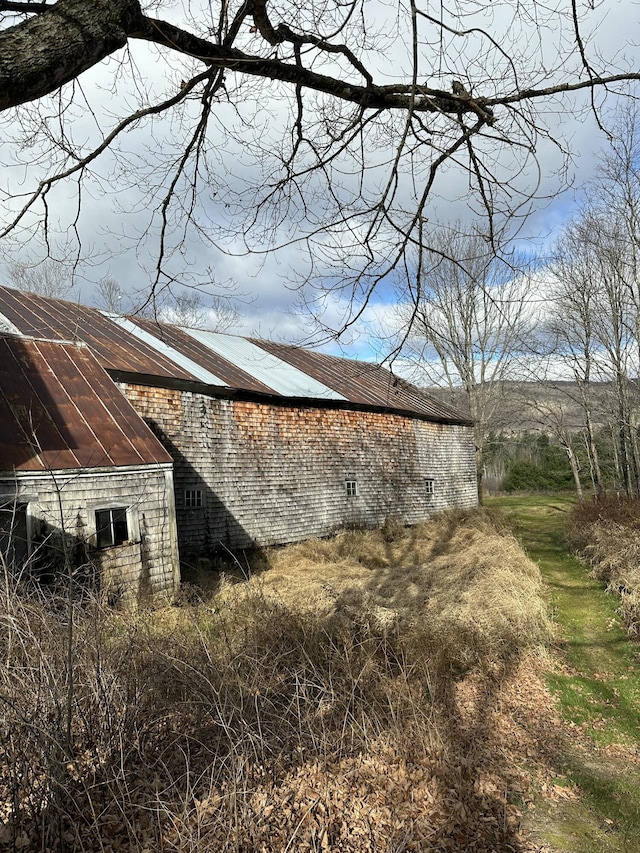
(429, 486)
(193, 498)
(111, 527)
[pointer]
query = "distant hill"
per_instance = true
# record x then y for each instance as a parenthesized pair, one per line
(529, 406)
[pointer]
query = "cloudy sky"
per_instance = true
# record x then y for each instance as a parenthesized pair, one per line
(111, 226)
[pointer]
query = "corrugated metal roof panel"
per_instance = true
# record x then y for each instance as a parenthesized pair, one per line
(60, 410)
(365, 383)
(41, 317)
(161, 346)
(281, 376)
(230, 374)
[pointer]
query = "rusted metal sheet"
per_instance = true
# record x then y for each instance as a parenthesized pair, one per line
(60, 410)
(364, 383)
(56, 319)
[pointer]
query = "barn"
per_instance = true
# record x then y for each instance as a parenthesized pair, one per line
(270, 443)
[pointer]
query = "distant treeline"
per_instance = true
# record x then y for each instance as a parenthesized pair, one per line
(533, 461)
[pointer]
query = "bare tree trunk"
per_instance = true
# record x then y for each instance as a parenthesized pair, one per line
(629, 440)
(599, 489)
(591, 467)
(635, 466)
(633, 439)
(41, 54)
(616, 458)
(575, 470)
(480, 472)
(624, 438)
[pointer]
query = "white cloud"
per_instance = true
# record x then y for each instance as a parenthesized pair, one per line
(270, 300)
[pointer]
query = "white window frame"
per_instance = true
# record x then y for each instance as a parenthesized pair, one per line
(429, 487)
(133, 525)
(113, 522)
(351, 486)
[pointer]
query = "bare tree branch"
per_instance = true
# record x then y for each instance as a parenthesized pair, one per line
(334, 126)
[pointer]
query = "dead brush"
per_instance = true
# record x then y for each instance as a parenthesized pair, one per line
(608, 537)
(164, 721)
(617, 511)
(258, 720)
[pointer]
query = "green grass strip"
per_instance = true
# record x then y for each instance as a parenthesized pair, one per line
(596, 686)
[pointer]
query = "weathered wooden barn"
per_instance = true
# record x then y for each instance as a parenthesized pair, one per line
(270, 443)
(85, 486)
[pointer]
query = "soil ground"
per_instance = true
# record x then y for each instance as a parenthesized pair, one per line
(591, 802)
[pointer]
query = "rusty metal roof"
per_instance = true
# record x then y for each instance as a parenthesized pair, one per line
(151, 349)
(56, 319)
(365, 383)
(60, 410)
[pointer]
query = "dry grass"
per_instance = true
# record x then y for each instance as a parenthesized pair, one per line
(343, 699)
(461, 579)
(607, 535)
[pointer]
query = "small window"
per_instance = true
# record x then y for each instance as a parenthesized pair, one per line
(351, 487)
(192, 498)
(111, 527)
(429, 486)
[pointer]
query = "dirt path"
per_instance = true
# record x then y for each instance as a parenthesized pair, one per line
(594, 676)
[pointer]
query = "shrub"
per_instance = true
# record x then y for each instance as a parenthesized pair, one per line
(622, 510)
(524, 476)
(606, 533)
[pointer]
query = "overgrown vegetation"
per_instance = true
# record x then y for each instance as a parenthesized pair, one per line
(529, 462)
(606, 533)
(344, 699)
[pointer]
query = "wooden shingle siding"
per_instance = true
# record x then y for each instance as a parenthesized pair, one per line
(64, 503)
(276, 473)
